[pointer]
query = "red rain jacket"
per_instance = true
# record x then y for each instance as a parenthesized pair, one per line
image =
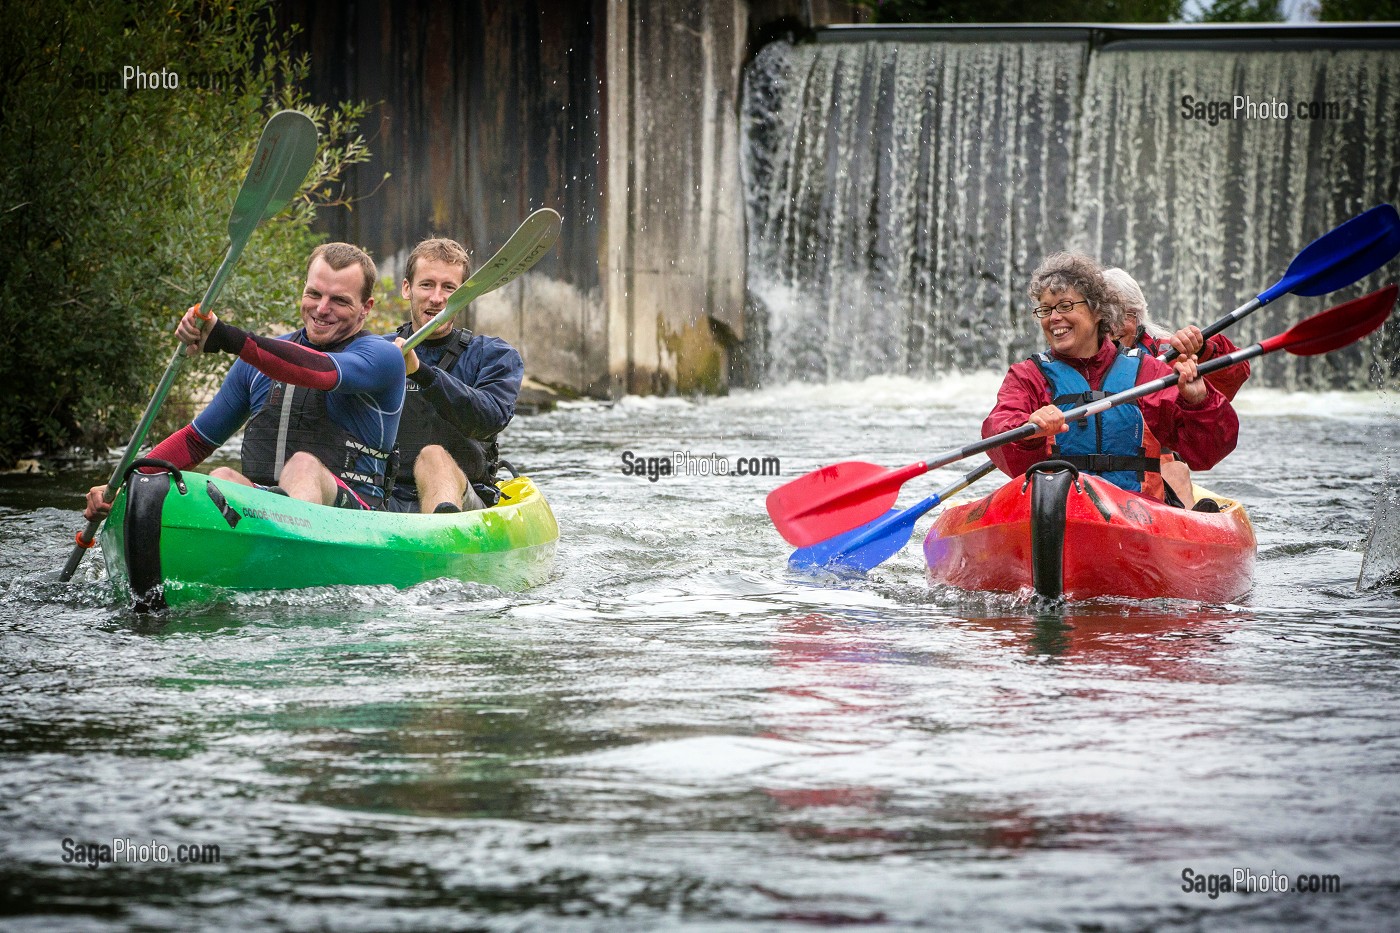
(1227, 380)
(1200, 436)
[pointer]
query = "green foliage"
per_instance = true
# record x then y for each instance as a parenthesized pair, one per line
(114, 203)
(1243, 11)
(390, 307)
(1359, 11)
(1004, 11)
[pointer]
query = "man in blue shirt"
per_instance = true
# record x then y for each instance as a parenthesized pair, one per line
(322, 404)
(461, 393)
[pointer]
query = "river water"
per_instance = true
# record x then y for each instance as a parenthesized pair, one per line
(678, 732)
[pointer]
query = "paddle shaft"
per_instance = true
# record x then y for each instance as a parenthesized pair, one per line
(1249, 307)
(902, 522)
(285, 152)
(921, 508)
(148, 417)
(530, 241)
(881, 532)
(1341, 256)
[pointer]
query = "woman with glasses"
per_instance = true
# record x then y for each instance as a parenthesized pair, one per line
(1079, 316)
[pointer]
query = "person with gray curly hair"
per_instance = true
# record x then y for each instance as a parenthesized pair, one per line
(1080, 314)
(1139, 329)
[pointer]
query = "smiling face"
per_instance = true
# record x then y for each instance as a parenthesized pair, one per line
(1127, 334)
(433, 283)
(1074, 333)
(331, 307)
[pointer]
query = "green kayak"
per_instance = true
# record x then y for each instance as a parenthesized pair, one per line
(181, 537)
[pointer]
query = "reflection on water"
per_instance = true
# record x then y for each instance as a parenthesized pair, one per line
(1172, 642)
(678, 730)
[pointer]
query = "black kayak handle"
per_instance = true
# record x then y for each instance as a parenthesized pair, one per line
(164, 465)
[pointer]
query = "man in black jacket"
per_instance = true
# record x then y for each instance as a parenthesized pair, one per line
(461, 393)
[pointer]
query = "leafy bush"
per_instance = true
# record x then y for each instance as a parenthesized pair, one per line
(114, 203)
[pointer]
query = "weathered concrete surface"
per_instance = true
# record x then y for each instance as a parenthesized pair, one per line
(675, 223)
(480, 112)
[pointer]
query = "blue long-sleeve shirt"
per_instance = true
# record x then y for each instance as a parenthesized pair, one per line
(365, 396)
(364, 386)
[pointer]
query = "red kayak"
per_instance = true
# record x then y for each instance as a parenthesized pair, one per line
(1062, 534)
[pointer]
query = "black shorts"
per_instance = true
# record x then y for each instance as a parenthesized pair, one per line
(345, 497)
(400, 504)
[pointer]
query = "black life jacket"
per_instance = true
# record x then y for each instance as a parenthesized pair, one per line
(297, 421)
(421, 425)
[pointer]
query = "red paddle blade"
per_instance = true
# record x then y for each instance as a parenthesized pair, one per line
(834, 499)
(1337, 326)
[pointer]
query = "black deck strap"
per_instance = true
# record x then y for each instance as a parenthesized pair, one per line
(1113, 463)
(1080, 398)
(1098, 503)
(1050, 482)
(165, 465)
(145, 499)
(229, 513)
(514, 474)
(1049, 466)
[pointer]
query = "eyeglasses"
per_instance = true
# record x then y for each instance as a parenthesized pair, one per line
(1064, 307)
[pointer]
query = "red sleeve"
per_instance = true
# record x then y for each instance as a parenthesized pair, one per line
(1203, 435)
(1022, 392)
(283, 360)
(185, 448)
(1228, 380)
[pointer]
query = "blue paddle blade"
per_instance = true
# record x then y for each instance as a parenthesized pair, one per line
(860, 549)
(1345, 255)
(867, 547)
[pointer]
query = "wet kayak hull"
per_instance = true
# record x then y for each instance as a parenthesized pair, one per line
(1105, 543)
(173, 539)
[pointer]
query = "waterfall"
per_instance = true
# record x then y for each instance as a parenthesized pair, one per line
(901, 193)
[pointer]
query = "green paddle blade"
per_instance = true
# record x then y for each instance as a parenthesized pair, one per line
(530, 241)
(281, 160)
